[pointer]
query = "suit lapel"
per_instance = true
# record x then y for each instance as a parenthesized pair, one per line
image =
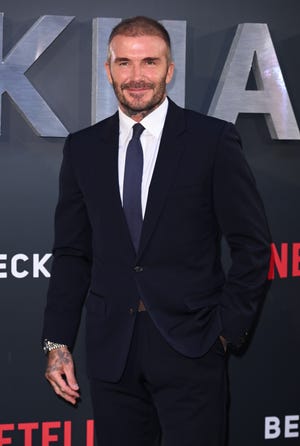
(109, 149)
(109, 178)
(170, 150)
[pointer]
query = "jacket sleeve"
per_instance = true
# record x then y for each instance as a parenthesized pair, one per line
(241, 217)
(72, 255)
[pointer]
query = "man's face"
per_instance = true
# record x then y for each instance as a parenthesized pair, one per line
(139, 70)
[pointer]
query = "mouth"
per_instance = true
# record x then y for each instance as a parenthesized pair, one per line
(137, 91)
(137, 88)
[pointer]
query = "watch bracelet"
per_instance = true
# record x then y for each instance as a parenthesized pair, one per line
(49, 346)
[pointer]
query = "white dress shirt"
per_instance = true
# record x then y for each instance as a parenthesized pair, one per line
(150, 140)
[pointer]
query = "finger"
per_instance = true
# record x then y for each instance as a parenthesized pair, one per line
(58, 382)
(224, 342)
(70, 378)
(64, 395)
(64, 391)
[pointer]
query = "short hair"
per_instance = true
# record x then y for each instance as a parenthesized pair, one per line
(141, 26)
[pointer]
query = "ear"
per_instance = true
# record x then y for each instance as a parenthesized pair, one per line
(170, 72)
(108, 73)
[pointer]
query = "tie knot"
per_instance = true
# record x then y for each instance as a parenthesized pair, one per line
(137, 130)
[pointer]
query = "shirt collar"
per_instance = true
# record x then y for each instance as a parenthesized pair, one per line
(153, 122)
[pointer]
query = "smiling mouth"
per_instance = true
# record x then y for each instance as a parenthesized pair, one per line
(137, 94)
(137, 91)
(137, 87)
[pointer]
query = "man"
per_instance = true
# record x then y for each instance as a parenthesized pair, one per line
(139, 222)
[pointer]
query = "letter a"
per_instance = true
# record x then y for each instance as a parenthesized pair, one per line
(252, 47)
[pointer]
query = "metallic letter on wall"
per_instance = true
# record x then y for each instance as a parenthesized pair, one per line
(252, 47)
(103, 99)
(12, 74)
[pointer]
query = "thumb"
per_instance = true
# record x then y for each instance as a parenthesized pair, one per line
(71, 380)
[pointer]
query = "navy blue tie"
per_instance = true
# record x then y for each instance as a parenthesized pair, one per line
(132, 187)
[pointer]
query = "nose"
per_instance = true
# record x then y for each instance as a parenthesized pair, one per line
(136, 72)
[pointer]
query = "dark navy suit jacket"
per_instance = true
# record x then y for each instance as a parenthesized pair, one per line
(201, 189)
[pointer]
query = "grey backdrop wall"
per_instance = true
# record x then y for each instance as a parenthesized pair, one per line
(265, 380)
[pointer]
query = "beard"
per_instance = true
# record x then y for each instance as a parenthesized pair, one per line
(135, 103)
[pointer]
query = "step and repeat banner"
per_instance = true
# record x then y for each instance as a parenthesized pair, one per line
(236, 61)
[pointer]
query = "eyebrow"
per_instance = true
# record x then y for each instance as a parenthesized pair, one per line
(152, 58)
(121, 59)
(126, 59)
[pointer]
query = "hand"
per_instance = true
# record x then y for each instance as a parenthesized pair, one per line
(224, 343)
(61, 376)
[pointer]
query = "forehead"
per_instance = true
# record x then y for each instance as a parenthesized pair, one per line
(139, 46)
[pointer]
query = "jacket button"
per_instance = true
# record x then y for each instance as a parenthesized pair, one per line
(131, 310)
(138, 269)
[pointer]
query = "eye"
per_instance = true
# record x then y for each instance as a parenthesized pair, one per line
(150, 62)
(123, 63)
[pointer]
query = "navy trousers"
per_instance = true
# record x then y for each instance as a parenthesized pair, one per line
(163, 398)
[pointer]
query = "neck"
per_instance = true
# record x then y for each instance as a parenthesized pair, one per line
(138, 115)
